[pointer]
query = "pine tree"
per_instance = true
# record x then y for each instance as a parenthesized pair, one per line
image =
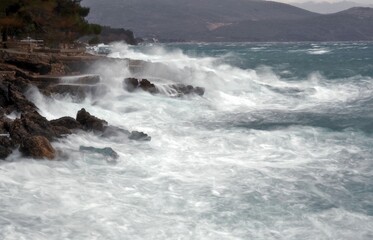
(52, 20)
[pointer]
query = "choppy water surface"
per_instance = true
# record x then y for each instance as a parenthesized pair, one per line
(280, 147)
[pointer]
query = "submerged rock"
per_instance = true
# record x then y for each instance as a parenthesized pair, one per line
(118, 133)
(90, 122)
(139, 136)
(111, 131)
(37, 147)
(107, 151)
(182, 89)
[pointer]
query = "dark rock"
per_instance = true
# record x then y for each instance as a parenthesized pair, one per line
(4, 152)
(182, 89)
(90, 122)
(31, 123)
(199, 91)
(61, 131)
(139, 136)
(17, 131)
(3, 130)
(2, 112)
(36, 124)
(148, 86)
(37, 147)
(20, 84)
(5, 142)
(67, 122)
(4, 96)
(17, 101)
(32, 66)
(131, 84)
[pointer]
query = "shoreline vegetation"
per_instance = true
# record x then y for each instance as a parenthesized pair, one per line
(45, 64)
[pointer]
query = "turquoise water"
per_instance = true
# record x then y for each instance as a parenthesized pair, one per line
(279, 147)
(293, 60)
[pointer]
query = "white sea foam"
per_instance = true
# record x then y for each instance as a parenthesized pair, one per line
(209, 172)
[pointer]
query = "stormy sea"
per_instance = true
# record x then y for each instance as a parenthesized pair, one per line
(280, 146)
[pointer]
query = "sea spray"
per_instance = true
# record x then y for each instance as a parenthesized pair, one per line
(260, 156)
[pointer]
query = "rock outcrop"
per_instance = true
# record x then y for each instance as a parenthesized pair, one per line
(37, 147)
(67, 122)
(90, 122)
(27, 129)
(133, 84)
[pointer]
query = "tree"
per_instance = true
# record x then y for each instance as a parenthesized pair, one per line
(9, 21)
(53, 20)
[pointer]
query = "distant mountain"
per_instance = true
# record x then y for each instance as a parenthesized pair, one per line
(185, 19)
(328, 7)
(355, 24)
(230, 20)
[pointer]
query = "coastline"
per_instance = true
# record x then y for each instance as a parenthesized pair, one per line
(62, 73)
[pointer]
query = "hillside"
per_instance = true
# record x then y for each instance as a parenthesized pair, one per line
(185, 19)
(230, 20)
(330, 7)
(355, 24)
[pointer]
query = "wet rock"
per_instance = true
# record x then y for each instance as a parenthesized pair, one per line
(139, 136)
(131, 84)
(5, 143)
(12, 99)
(33, 65)
(148, 86)
(4, 97)
(90, 122)
(31, 123)
(182, 89)
(17, 131)
(61, 131)
(67, 122)
(4, 152)
(107, 151)
(37, 147)
(36, 124)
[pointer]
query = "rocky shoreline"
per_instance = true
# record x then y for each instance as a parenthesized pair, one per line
(32, 133)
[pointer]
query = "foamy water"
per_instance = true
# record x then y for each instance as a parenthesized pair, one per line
(258, 156)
